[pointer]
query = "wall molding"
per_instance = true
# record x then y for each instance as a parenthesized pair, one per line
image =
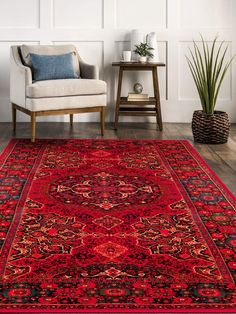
(102, 42)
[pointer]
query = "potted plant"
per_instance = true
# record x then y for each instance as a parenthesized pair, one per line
(144, 51)
(208, 67)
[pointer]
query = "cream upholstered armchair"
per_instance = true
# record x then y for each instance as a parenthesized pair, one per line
(55, 96)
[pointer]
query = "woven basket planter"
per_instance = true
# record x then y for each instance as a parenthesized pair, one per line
(210, 129)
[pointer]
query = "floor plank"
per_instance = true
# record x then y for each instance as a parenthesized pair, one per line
(221, 158)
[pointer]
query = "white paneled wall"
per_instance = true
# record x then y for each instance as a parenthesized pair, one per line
(100, 29)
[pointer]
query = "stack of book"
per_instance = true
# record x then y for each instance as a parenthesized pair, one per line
(137, 97)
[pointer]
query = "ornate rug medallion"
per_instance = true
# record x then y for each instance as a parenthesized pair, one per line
(104, 189)
(114, 226)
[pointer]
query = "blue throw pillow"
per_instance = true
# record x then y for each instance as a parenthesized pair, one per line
(52, 67)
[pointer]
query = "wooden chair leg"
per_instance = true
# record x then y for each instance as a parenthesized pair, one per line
(71, 119)
(102, 112)
(33, 126)
(14, 117)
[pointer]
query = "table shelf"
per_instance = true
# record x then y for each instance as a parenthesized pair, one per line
(137, 109)
(125, 101)
(150, 107)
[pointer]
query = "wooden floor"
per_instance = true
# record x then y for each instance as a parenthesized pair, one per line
(221, 158)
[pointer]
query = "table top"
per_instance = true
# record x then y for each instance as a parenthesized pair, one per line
(136, 64)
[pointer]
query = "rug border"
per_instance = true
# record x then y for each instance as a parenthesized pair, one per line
(119, 311)
(7, 149)
(214, 175)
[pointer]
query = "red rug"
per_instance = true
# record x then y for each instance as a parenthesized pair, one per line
(114, 226)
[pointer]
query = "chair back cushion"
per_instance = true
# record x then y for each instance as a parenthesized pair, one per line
(52, 67)
(48, 50)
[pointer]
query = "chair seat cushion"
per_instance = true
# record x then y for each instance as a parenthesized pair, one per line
(63, 103)
(68, 87)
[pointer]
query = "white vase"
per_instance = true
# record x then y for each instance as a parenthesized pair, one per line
(137, 37)
(152, 42)
(142, 59)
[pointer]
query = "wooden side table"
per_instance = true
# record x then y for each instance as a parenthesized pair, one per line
(139, 108)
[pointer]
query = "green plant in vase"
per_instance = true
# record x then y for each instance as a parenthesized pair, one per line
(208, 66)
(144, 51)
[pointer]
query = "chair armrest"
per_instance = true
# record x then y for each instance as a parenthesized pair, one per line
(20, 77)
(89, 71)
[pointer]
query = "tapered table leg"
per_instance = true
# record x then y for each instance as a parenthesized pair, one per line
(157, 97)
(118, 97)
